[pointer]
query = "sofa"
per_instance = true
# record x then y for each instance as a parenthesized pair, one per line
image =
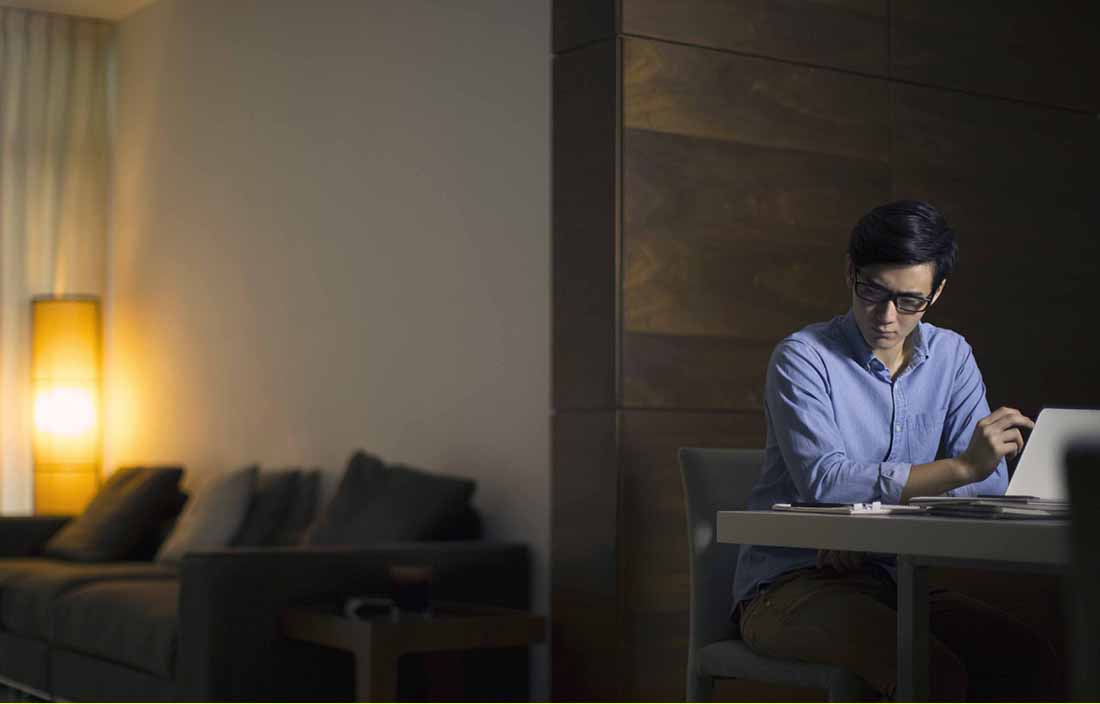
(205, 624)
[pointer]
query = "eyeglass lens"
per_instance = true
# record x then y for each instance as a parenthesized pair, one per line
(876, 294)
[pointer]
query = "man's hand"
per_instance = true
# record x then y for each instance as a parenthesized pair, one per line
(841, 561)
(995, 436)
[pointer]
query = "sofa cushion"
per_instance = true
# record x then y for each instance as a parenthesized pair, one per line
(26, 661)
(30, 587)
(132, 503)
(76, 677)
(376, 503)
(302, 510)
(132, 622)
(211, 519)
(271, 502)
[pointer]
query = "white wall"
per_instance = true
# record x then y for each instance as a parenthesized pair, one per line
(331, 231)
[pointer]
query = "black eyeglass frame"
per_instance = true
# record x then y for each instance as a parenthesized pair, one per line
(887, 295)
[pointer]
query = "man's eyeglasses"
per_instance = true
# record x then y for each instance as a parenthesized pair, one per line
(904, 302)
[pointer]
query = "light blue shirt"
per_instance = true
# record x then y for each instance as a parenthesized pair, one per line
(839, 429)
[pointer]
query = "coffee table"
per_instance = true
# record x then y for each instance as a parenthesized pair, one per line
(377, 643)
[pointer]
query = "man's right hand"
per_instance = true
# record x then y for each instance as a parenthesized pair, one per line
(996, 436)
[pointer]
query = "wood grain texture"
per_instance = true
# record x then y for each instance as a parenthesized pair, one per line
(584, 229)
(654, 547)
(584, 565)
(581, 22)
(741, 181)
(1018, 185)
(845, 34)
(1044, 52)
(708, 223)
(695, 372)
(712, 94)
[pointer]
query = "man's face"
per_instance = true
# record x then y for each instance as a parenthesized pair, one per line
(883, 326)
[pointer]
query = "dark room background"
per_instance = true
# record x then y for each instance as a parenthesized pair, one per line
(709, 160)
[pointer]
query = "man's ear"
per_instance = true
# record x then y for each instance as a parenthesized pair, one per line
(936, 296)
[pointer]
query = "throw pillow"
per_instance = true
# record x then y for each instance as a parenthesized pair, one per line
(131, 503)
(376, 503)
(362, 479)
(146, 550)
(465, 526)
(212, 517)
(302, 509)
(271, 502)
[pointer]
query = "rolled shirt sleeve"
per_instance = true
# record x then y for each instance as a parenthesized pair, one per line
(798, 402)
(893, 476)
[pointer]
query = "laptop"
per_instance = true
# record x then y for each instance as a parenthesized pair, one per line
(1038, 487)
(1040, 472)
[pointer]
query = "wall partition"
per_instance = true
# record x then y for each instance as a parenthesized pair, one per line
(710, 159)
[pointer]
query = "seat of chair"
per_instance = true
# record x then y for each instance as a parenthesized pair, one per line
(732, 658)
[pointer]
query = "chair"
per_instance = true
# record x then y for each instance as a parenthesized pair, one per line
(1083, 482)
(714, 480)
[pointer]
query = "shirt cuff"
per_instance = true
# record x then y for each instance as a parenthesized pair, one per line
(892, 478)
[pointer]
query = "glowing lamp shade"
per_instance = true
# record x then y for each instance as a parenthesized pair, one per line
(65, 378)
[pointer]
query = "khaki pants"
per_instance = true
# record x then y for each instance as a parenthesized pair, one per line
(975, 651)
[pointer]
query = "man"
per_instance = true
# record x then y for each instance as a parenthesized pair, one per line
(877, 405)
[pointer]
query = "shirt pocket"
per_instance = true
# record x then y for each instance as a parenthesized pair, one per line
(925, 432)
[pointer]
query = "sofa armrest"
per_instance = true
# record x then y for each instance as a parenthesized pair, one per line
(23, 536)
(231, 601)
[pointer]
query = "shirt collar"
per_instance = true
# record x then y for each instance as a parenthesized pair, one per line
(920, 343)
(861, 351)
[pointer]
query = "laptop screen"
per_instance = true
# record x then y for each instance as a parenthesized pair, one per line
(1040, 470)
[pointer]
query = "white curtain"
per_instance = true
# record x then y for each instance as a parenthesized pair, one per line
(54, 198)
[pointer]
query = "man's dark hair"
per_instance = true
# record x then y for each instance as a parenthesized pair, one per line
(905, 232)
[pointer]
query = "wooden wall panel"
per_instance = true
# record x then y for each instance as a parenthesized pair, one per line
(721, 96)
(1018, 185)
(695, 372)
(706, 216)
(584, 564)
(741, 181)
(654, 554)
(1043, 52)
(846, 34)
(584, 231)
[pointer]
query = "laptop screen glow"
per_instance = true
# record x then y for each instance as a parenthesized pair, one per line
(1040, 471)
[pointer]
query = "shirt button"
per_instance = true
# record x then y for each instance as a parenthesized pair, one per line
(897, 428)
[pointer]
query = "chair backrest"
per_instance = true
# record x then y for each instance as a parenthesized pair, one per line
(714, 480)
(1083, 480)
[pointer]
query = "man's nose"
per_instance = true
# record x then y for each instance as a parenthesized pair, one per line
(888, 311)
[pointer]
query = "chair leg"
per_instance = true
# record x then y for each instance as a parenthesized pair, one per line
(700, 688)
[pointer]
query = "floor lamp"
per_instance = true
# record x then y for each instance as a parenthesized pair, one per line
(65, 380)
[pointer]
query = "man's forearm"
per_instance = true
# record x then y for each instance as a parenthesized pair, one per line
(934, 478)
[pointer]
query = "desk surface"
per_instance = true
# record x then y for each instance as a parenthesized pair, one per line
(1026, 541)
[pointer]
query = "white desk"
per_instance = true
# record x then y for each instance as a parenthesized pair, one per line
(919, 542)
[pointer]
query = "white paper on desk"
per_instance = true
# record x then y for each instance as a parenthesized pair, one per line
(871, 509)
